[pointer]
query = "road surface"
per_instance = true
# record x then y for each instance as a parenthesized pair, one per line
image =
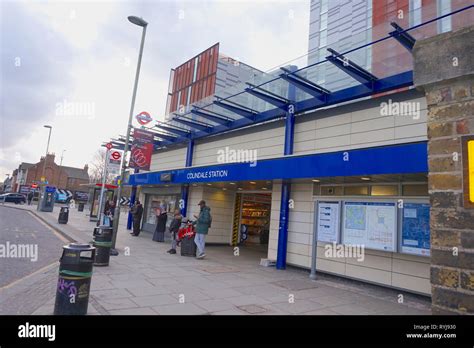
(26, 245)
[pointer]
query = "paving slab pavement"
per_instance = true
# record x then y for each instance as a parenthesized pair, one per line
(144, 280)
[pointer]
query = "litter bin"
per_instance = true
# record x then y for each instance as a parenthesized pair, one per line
(80, 207)
(63, 215)
(103, 243)
(186, 236)
(75, 274)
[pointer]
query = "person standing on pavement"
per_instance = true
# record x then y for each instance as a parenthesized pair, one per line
(202, 223)
(111, 212)
(174, 228)
(30, 197)
(137, 212)
(161, 217)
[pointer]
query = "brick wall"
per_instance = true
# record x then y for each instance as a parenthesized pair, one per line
(444, 69)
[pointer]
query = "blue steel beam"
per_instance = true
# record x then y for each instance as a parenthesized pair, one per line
(352, 69)
(193, 124)
(237, 110)
(185, 188)
(213, 117)
(165, 136)
(178, 131)
(310, 88)
(280, 103)
(405, 39)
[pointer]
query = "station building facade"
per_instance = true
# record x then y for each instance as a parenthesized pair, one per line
(386, 161)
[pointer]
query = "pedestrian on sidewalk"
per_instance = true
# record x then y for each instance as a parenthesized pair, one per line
(137, 212)
(202, 223)
(161, 217)
(30, 197)
(174, 228)
(111, 212)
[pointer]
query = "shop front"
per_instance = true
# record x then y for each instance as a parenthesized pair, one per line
(156, 200)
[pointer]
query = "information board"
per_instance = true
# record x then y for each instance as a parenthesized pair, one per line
(372, 224)
(328, 221)
(416, 229)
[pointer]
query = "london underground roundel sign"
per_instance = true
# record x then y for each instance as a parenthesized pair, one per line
(144, 118)
(115, 155)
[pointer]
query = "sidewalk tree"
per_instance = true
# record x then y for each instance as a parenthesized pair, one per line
(96, 168)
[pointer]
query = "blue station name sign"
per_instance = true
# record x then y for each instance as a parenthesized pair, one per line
(394, 159)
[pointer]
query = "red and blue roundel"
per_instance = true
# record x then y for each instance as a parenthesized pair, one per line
(144, 118)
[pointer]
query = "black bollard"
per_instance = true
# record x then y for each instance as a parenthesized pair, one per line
(103, 243)
(75, 274)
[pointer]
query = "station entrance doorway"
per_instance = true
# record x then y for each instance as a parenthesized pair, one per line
(251, 227)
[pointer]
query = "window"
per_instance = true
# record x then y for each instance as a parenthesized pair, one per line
(189, 95)
(323, 38)
(415, 12)
(444, 24)
(415, 190)
(324, 6)
(384, 190)
(331, 191)
(356, 190)
(195, 69)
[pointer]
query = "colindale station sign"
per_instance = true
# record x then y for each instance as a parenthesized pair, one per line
(208, 174)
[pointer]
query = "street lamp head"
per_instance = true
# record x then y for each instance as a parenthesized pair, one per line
(47, 126)
(137, 21)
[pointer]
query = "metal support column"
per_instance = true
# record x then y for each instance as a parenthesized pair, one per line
(286, 185)
(185, 188)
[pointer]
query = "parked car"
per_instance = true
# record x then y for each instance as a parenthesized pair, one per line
(61, 197)
(16, 198)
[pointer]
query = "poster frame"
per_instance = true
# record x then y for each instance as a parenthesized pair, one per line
(362, 200)
(400, 225)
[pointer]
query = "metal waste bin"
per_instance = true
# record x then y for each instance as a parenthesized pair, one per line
(80, 207)
(103, 243)
(63, 215)
(75, 274)
(188, 247)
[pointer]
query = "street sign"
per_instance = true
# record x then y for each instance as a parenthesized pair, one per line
(109, 146)
(116, 155)
(114, 161)
(144, 118)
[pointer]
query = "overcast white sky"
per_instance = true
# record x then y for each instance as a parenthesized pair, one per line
(85, 52)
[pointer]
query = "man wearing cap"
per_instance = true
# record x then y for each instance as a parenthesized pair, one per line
(202, 223)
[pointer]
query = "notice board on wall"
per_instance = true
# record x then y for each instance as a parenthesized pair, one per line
(328, 221)
(415, 236)
(372, 224)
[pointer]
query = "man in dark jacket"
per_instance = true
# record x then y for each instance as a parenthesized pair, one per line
(202, 223)
(137, 212)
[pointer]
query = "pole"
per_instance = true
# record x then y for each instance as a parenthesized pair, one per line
(47, 150)
(125, 150)
(132, 202)
(44, 169)
(102, 189)
(314, 246)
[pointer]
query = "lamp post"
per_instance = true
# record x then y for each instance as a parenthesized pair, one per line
(44, 165)
(141, 23)
(47, 149)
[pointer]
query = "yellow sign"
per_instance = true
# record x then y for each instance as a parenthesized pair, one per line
(470, 161)
(43, 179)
